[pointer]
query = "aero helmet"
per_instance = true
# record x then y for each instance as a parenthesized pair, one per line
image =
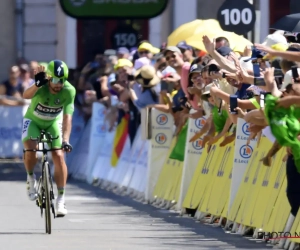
(58, 70)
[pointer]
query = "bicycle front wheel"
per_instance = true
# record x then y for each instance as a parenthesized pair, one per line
(46, 182)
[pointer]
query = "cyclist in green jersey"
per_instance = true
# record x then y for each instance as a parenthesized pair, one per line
(51, 109)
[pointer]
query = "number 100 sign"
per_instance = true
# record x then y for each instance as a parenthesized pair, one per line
(237, 16)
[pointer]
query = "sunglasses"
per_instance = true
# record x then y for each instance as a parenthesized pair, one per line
(144, 52)
(169, 57)
(57, 80)
(195, 78)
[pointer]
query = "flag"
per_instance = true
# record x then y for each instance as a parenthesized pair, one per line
(179, 149)
(120, 139)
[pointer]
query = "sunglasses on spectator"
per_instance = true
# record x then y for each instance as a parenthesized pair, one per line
(144, 52)
(57, 80)
(195, 78)
(169, 57)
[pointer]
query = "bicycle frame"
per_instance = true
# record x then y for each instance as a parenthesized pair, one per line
(45, 186)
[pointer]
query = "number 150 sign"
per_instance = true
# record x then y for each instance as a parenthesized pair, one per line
(237, 16)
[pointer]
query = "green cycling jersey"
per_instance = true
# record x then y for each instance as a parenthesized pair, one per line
(45, 112)
(45, 108)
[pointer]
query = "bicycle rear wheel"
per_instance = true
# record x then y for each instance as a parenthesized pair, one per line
(46, 183)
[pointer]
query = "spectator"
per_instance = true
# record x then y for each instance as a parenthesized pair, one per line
(123, 52)
(187, 51)
(147, 78)
(147, 50)
(222, 41)
(25, 76)
(12, 86)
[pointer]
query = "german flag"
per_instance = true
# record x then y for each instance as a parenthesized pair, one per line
(120, 140)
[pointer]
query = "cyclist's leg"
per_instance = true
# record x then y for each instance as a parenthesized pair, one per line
(60, 170)
(30, 159)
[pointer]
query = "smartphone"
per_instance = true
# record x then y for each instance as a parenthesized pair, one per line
(130, 78)
(295, 73)
(233, 104)
(256, 70)
(278, 73)
(213, 68)
(259, 81)
(165, 86)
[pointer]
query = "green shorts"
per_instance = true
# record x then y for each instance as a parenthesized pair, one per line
(32, 129)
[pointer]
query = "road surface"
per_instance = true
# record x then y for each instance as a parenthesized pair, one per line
(99, 219)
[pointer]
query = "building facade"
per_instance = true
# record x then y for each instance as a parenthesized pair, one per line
(39, 29)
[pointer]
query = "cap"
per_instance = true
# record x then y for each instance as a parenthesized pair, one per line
(256, 53)
(184, 45)
(274, 39)
(246, 63)
(207, 89)
(123, 63)
(173, 49)
(293, 34)
(224, 51)
(141, 62)
(149, 47)
(288, 79)
(196, 68)
(110, 52)
(122, 50)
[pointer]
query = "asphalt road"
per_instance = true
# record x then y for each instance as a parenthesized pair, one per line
(99, 219)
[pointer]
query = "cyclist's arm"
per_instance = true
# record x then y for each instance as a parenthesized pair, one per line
(68, 112)
(30, 92)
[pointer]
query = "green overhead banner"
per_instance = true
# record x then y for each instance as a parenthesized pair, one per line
(82, 9)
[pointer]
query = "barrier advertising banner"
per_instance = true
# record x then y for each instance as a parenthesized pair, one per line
(242, 155)
(11, 131)
(193, 152)
(162, 134)
(97, 134)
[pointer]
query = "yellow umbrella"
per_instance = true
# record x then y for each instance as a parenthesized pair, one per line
(237, 43)
(189, 29)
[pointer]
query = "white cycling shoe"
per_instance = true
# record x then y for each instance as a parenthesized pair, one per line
(31, 188)
(61, 208)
